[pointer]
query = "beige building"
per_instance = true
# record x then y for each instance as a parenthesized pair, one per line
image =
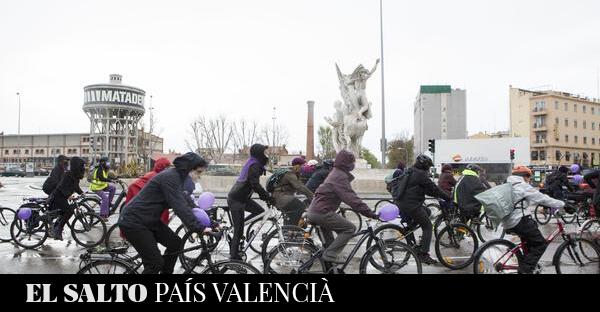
(563, 128)
(491, 135)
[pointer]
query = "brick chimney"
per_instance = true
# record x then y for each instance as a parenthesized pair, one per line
(310, 133)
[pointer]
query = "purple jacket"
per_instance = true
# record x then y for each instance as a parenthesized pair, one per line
(337, 189)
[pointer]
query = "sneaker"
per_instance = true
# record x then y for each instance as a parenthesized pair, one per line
(426, 259)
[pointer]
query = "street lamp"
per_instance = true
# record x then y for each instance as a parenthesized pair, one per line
(383, 140)
(19, 130)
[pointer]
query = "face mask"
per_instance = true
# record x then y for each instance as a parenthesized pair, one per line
(351, 167)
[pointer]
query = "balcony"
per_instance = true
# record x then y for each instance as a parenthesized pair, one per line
(540, 127)
(540, 143)
(538, 111)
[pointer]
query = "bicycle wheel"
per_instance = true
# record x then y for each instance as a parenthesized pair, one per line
(113, 238)
(88, 229)
(288, 258)
(192, 241)
(434, 210)
(569, 218)
(107, 266)
(590, 230)
(389, 232)
(486, 231)
(353, 217)
(261, 229)
(230, 267)
(7, 216)
(391, 257)
(291, 233)
(497, 256)
(542, 214)
(91, 204)
(456, 245)
(577, 256)
(29, 234)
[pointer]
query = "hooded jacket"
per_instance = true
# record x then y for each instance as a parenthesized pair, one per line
(68, 185)
(318, 177)
(287, 187)
(418, 185)
(165, 190)
(135, 187)
(337, 189)
(464, 193)
(55, 176)
(558, 180)
(521, 190)
(249, 180)
(446, 181)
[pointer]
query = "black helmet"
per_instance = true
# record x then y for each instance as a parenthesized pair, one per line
(328, 163)
(423, 162)
(474, 167)
(103, 160)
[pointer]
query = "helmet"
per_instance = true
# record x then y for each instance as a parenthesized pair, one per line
(328, 163)
(103, 159)
(423, 162)
(522, 171)
(474, 167)
(312, 163)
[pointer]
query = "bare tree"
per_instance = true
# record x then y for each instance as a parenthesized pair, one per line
(211, 137)
(274, 137)
(245, 133)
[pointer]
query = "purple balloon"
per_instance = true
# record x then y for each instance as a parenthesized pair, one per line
(575, 168)
(201, 216)
(206, 200)
(389, 212)
(577, 179)
(24, 213)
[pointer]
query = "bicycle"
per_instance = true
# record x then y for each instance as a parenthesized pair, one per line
(87, 229)
(542, 215)
(94, 201)
(7, 215)
(303, 257)
(116, 261)
(502, 256)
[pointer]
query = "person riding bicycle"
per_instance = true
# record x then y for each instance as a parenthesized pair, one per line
(592, 178)
(411, 202)
(284, 192)
(523, 225)
(239, 197)
(59, 198)
(101, 185)
(140, 218)
(446, 182)
(137, 185)
(465, 190)
(307, 170)
(320, 175)
(322, 211)
(557, 181)
(56, 175)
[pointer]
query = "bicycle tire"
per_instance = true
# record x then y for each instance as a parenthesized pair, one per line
(307, 249)
(292, 229)
(394, 228)
(237, 266)
(389, 268)
(7, 216)
(20, 234)
(486, 224)
(577, 254)
(86, 225)
(113, 238)
(256, 244)
(544, 217)
(94, 267)
(502, 246)
(590, 230)
(456, 232)
(352, 216)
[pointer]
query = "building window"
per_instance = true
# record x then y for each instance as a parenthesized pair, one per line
(534, 155)
(557, 155)
(583, 108)
(566, 138)
(575, 108)
(542, 155)
(584, 124)
(584, 140)
(593, 126)
(556, 105)
(575, 124)
(576, 139)
(566, 122)
(593, 141)
(556, 121)
(593, 110)
(26, 152)
(566, 107)
(568, 156)
(15, 152)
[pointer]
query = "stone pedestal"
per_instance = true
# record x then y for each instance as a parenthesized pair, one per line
(362, 164)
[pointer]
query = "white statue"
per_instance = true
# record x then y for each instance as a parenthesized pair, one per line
(350, 119)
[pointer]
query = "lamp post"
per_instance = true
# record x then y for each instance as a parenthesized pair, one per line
(19, 130)
(383, 140)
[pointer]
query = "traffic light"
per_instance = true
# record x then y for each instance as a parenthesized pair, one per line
(432, 146)
(512, 154)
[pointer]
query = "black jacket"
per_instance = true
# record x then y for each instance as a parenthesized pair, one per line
(557, 181)
(418, 185)
(595, 174)
(465, 190)
(163, 191)
(68, 185)
(55, 176)
(242, 190)
(317, 178)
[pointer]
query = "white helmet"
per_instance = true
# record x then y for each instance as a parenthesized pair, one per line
(312, 163)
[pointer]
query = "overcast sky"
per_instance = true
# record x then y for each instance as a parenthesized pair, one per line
(241, 58)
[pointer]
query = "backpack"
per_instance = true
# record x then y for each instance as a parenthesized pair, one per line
(550, 179)
(397, 186)
(274, 179)
(497, 202)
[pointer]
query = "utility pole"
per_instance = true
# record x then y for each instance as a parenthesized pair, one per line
(383, 139)
(273, 140)
(19, 129)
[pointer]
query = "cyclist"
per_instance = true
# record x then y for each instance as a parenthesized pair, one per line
(238, 198)
(322, 211)
(60, 196)
(465, 190)
(307, 170)
(56, 175)
(102, 187)
(140, 218)
(592, 178)
(411, 202)
(137, 185)
(320, 174)
(284, 191)
(557, 181)
(523, 225)
(446, 182)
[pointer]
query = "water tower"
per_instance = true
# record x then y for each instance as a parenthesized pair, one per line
(114, 110)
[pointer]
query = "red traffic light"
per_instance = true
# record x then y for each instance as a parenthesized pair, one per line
(513, 150)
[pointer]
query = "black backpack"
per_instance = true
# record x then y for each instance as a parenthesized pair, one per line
(274, 179)
(550, 179)
(398, 185)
